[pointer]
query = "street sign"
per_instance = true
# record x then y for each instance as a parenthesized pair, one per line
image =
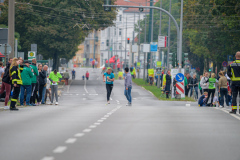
(31, 55)
(4, 35)
(21, 54)
(224, 64)
(153, 47)
(146, 47)
(162, 41)
(91, 59)
(179, 77)
(134, 48)
(110, 49)
(159, 63)
(138, 64)
(3, 47)
(230, 58)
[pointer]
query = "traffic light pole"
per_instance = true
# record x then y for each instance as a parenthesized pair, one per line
(157, 8)
(125, 61)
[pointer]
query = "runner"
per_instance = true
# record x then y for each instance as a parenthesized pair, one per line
(109, 82)
(128, 87)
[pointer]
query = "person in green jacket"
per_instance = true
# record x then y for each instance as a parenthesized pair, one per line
(26, 76)
(186, 84)
(199, 86)
(54, 78)
(211, 87)
(34, 82)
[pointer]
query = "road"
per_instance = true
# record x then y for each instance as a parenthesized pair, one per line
(84, 127)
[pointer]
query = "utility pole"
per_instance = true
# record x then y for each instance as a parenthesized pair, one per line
(145, 41)
(149, 56)
(94, 48)
(125, 62)
(139, 45)
(11, 25)
(160, 32)
(132, 61)
(5, 57)
(169, 33)
(181, 29)
(108, 47)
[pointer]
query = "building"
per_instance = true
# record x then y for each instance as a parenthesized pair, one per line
(124, 28)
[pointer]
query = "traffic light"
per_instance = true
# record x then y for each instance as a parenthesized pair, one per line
(128, 40)
(107, 43)
(184, 59)
(107, 2)
(210, 69)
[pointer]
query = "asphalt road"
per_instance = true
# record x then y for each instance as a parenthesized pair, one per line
(83, 127)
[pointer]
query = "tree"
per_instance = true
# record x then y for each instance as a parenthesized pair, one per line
(50, 24)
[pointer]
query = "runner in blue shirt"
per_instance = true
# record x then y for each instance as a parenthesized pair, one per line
(108, 77)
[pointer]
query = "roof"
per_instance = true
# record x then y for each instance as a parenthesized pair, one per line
(136, 3)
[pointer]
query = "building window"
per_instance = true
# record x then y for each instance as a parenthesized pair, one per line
(120, 45)
(120, 31)
(120, 18)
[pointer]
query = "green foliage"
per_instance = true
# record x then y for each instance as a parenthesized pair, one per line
(50, 24)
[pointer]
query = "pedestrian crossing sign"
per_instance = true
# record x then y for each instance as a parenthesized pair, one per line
(31, 55)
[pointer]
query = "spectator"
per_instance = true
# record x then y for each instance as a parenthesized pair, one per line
(26, 76)
(204, 82)
(45, 69)
(215, 101)
(203, 99)
(1, 70)
(186, 84)
(211, 87)
(42, 82)
(48, 92)
(193, 85)
(168, 84)
(87, 75)
(199, 86)
(223, 89)
(34, 82)
(21, 64)
(54, 78)
(16, 81)
(174, 86)
(189, 79)
(73, 74)
(83, 77)
(66, 77)
(6, 83)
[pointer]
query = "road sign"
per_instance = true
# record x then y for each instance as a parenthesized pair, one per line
(230, 57)
(84, 59)
(91, 59)
(153, 47)
(2, 49)
(159, 63)
(162, 41)
(138, 64)
(146, 47)
(224, 64)
(21, 54)
(31, 55)
(179, 77)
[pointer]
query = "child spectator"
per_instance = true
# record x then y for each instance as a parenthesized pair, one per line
(230, 98)
(215, 101)
(203, 99)
(83, 77)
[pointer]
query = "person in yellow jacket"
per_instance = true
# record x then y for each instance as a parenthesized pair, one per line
(15, 74)
(234, 73)
(54, 78)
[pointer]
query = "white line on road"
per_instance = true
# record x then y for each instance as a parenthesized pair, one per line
(109, 113)
(227, 111)
(85, 86)
(103, 118)
(71, 140)
(93, 94)
(48, 158)
(92, 126)
(235, 116)
(84, 94)
(60, 149)
(77, 94)
(79, 135)
(87, 130)
(97, 123)
(106, 116)
(100, 120)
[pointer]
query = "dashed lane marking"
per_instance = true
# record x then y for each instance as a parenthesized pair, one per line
(71, 140)
(97, 123)
(100, 120)
(92, 126)
(106, 116)
(60, 149)
(85, 86)
(103, 118)
(93, 94)
(79, 134)
(87, 130)
(48, 158)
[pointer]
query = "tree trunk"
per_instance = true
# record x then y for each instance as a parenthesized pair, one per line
(55, 62)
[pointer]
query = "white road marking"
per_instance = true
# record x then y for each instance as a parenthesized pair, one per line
(77, 94)
(48, 158)
(79, 135)
(103, 118)
(84, 94)
(188, 105)
(100, 120)
(227, 111)
(92, 126)
(97, 123)
(85, 87)
(87, 130)
(106, 116)
(235, 116)
(60, 149)
(93, 94)
(109, 113)
(71, 140)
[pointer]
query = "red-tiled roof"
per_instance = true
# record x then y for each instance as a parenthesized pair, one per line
(136, 3)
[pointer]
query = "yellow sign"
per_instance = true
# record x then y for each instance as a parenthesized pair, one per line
(31, 55)
(138, 64)
(159, 63)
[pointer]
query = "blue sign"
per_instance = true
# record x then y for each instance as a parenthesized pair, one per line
(91, 59)
(230, 58)
(180, 77)
(224, 64)
(153, 47)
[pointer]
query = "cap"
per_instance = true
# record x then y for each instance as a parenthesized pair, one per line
(26, 62)
(109, 68)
